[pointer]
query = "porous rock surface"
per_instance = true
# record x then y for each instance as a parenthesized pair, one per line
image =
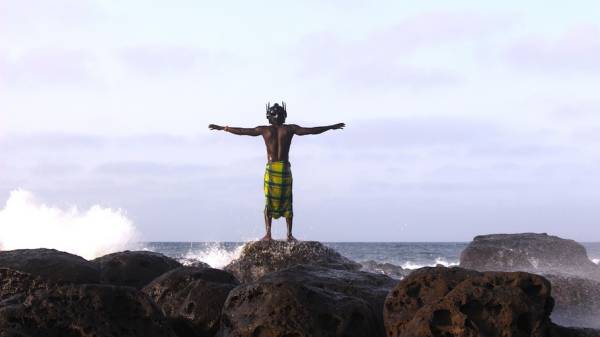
(51, 265)
(262, 257)
(192, 298)
(308, 301)
(14, 284)
(133, 268)
(574, 277)
(537, 253)
(84, 311)
(456, 302)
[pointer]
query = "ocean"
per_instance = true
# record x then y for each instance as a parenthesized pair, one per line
(408, 255)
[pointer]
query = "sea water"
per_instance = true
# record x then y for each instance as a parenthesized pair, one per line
(409, 255)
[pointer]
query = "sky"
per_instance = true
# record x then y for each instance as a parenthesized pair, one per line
(463, 117)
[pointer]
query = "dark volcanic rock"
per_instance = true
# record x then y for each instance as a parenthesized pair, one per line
(262, 257)
(538, 253)
(83, 311)
(192, 298)
(559, 331)
(457, 302)
(51, 264)
(308, 301)
(577, 301)
(14, 282)
(133, 268)
(193, 263)
(388, 269)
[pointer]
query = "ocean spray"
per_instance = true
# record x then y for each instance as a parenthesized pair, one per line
(27, 223)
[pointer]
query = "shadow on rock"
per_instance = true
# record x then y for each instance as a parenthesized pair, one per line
(308, 301)
(192, 298)
(133, 268)
(51, 264)
(82, 311)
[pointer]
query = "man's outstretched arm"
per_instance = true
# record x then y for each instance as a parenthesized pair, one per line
(257, 131)
(301, 131)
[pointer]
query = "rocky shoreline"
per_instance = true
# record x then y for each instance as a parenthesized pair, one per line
(302, 289)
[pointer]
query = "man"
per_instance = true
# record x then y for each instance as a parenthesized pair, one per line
(278, 175)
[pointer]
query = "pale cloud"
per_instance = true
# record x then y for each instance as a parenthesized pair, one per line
(46, 68)
(27, 17)
(386, 58)
(576, 51)
(164, 60)
(150, 168)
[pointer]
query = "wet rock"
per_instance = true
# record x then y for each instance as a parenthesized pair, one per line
(133, 268)
(577, 301)
(262, 257)
(457, 302)
(537, 253)
(192, 298)
(308, 301)
(51, 264)
(193, 263)
(388, 269)
(83, 311)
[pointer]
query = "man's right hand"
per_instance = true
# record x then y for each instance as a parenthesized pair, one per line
(215, 127)
(338, 126)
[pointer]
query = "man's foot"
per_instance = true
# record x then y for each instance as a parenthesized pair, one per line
(266, 238)
(290, 238)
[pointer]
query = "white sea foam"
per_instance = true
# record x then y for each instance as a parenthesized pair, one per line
(215, 254)
(27, 223)
(596, 261)
(439, 260)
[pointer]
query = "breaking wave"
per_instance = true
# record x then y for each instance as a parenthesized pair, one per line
(439, 260)
(596, 261)
(215, 255)
(27, 223)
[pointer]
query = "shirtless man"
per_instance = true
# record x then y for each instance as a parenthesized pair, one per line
(278, 175)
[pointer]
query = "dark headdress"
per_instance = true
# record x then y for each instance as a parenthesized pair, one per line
(276, 110)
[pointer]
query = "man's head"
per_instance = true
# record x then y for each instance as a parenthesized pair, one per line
(276, 114)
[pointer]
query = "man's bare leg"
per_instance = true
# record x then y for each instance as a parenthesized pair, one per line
(268, 221)
(289, 221)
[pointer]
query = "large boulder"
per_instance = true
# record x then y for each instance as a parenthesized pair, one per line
(83, 311)
(537, 253)
(304, 301)
(444, 301)
(51, 264)
(262, 257)
(133, 268)
(192, 298)
(577, 301)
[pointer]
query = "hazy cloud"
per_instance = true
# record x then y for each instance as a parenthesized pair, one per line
(149, 168)
(46, 67)
(383, 59)
(163, 60)
(576, 51)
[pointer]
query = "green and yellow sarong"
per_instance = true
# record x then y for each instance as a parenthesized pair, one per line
(278, 189)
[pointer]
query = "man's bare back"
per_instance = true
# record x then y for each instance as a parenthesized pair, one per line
(278, 140)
